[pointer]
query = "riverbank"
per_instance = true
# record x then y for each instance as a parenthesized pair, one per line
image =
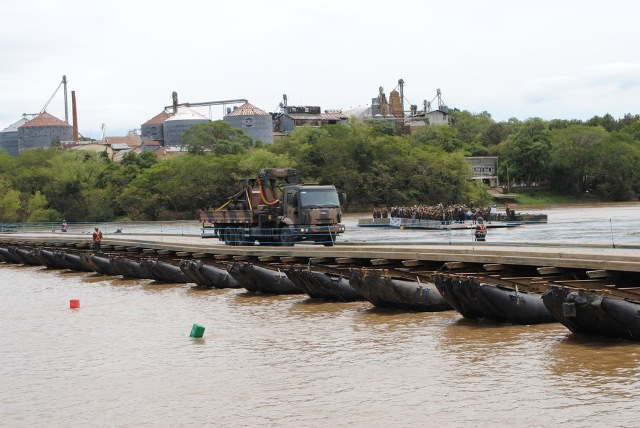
(545, 199)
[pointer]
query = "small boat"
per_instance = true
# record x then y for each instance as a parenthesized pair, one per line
(322, 285)
(163, 271)
(499, 300)
(386, 291)
(257, 279)
(206, 275)
(598, 312)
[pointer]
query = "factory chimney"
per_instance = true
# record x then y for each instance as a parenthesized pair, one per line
(75, 117)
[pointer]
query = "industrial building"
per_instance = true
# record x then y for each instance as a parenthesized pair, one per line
(485, 169)
(9, 137)
(391, 109)
(178, 123)
(152, 130)
(256, 123)
(43, 131)
(307, 116)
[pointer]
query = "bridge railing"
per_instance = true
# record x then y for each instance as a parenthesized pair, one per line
(124, 227)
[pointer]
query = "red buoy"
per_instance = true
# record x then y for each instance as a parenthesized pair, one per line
(74, 303)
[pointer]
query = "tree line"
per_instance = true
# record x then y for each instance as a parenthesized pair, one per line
(369, 161)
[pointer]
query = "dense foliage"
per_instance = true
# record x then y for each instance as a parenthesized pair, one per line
(370, 162)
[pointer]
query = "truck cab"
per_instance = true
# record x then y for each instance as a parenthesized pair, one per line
(313, 211)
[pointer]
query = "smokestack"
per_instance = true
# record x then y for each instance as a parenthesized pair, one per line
(75, 117)
(401, 84)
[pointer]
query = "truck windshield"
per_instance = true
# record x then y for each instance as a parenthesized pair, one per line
(319, 199)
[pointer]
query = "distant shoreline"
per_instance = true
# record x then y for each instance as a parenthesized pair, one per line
(581, 204)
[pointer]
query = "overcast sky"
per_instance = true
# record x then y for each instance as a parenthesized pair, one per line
(561, 59)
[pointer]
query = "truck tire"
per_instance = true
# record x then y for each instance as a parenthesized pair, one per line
(237, 236)
(226, 236)
(286, 236)
(240, 238)
(231, 236)
(329, 240)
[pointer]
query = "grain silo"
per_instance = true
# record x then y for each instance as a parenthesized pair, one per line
(43, 131)
(178, 123)
(152, 130)
(254, 122)
(9, 137)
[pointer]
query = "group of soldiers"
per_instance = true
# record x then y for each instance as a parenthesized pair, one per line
(448, 213)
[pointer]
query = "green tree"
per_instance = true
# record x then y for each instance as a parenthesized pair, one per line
(569, 164)
(607, 121)
(38, 209)
(31, 169)
(141, 200)
(257, 159)
(143, 160)
(72, 186)
(444, 137)
(527, 152)
(10, 205)
(472, 128)
(614, 166)
(217, 137)
(496, 134)
(382, 127)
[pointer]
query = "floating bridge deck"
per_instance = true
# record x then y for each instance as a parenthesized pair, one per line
(584, 257)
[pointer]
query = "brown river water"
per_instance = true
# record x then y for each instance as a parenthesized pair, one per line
(125, 358)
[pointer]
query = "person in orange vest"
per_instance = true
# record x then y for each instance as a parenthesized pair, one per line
(97, 239)
(481, 230)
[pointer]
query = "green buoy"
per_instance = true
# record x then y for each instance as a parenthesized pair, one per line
(197, 331)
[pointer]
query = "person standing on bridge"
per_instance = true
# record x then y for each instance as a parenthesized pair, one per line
(481, 230)
(97, 241)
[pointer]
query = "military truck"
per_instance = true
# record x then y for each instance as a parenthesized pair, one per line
(276, 208)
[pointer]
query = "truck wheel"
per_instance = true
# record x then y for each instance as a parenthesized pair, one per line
(227, 235)
(231, 236)
(241, 240)
(237, 236)
(329, 240)
(286, 236)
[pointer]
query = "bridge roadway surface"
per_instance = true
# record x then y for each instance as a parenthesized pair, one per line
(590, 257)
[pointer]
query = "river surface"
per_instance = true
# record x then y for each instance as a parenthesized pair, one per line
(125, 358)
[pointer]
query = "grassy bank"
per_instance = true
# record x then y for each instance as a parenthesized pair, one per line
(543, 198)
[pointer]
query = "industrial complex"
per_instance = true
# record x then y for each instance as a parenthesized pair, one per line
(163, 132)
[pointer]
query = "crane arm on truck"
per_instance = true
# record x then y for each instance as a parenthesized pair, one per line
(264, 198)
(235, 198)
(289, 175)
(267, 179)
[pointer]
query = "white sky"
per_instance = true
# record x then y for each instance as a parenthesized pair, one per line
(564, 59)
